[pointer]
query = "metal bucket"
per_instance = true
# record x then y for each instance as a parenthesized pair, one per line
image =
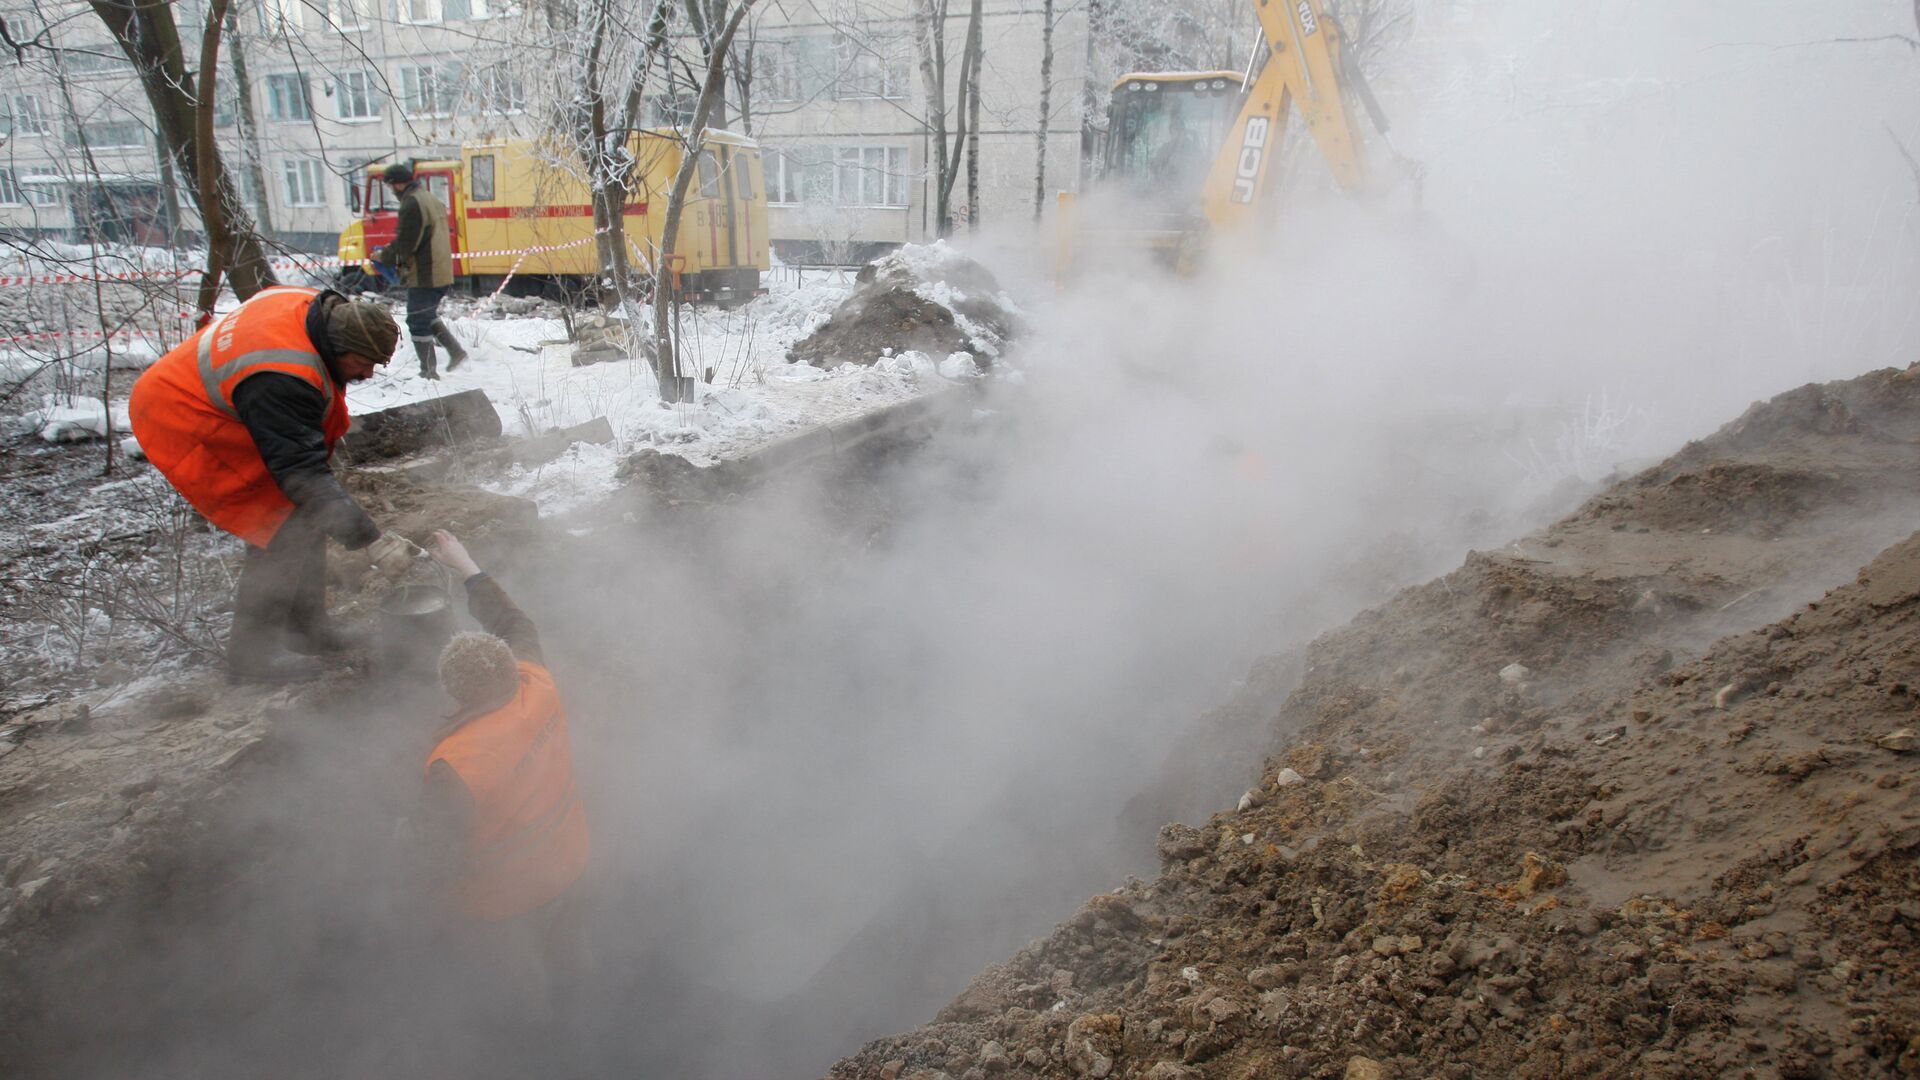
(415, 623)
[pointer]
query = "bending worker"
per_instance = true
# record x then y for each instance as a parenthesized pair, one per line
(241, 419)
(423, 253)
(503, 814)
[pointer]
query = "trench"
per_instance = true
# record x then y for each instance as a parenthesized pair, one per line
(836, 760)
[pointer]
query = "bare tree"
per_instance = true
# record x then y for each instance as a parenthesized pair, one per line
(183, 110)
(1045, 121)
(947, 128)
(673, 385)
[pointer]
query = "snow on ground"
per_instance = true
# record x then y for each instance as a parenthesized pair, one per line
(756, 397)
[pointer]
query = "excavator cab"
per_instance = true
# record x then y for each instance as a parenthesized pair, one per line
(1163, 132)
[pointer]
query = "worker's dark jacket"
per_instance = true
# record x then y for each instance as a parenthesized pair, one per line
(421, 248)
(283, 413)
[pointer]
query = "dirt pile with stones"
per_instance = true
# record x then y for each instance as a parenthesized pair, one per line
(926, 300)
(1634, 796)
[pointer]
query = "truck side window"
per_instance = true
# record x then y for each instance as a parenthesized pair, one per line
(743, 175)
(439, 183)
(481, 183)
(709, 174)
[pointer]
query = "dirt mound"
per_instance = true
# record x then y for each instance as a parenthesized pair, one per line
(1616, 800)
(920, 299)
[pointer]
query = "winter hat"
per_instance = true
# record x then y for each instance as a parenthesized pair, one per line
(397, 173)
(479, 671)
(363, 327)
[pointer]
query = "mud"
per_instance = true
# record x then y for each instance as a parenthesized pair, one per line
(1633, 796)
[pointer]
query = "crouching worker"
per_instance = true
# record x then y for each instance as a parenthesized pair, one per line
(241, 419)
(502, 808)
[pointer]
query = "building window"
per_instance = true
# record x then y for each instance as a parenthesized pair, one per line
(786, 177)
(10, 194)
(355, 97)
(428, 90)
(870, 176)
(289, 98)
(349, 14)
(497, 91)
(464, 9)
(288, 15)
(24, 116)
(418, 11)
(110, 135)
(42, 189)
(779, 64)
(303, 180)
(871, 66)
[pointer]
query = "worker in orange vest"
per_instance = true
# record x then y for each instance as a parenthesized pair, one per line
(500, 787)
(242, 418)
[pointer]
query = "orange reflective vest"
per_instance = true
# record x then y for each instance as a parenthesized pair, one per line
(528, 839)
(182, 410)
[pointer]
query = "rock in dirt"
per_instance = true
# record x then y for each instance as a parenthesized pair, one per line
(1900, 741)
(1360, 1068)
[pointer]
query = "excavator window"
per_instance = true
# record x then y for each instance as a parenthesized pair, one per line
(1162, 134)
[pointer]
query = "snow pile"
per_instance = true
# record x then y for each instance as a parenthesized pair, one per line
(77, 420)
(525, 367)
(925, 298)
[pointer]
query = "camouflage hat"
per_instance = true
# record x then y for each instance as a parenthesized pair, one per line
(363, 327)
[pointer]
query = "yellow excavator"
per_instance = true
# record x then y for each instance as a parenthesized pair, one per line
(1190, 154)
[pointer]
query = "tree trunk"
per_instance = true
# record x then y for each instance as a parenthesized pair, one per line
(250, 155)
(674, 386)
(1046, 111)
(976, 44)
(931, 15)
(147, 34)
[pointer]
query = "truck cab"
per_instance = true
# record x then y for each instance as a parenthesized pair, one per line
(379, 218)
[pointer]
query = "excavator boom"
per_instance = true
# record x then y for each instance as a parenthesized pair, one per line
(1303, 70)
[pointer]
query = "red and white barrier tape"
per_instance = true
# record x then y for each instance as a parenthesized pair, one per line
(63, 335)
(316, 263)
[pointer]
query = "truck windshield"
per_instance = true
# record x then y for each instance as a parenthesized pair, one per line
(1163, 134)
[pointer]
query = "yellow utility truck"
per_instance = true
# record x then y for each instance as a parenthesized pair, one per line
(520, 208)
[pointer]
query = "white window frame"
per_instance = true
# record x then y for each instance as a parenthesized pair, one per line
(290, 15)
(303, 182)
(366, 93)
(785, 175)
(40, 193)
(143, 139)
(418, 12)
(487, 83)
(873, 67)
(277, 97)
(25, 117)
(418, 82)
(349, 14)
(877, 176)
(780, 73)
(10, 192)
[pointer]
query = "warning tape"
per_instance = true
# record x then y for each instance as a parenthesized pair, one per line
(58, 335)
(316, 263)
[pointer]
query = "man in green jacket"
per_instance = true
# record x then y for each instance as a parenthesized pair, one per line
(423, 253)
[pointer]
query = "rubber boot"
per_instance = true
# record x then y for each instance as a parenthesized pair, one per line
(456, 353)
(423, 346)
(254, 656)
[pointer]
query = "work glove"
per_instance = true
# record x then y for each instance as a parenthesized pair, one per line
(393, 555)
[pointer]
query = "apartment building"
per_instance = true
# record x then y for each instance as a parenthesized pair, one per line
(314, 90)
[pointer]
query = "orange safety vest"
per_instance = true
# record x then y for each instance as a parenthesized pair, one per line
(182, 410)
(528, 839)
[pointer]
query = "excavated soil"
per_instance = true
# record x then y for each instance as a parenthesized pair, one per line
(1634, 796)
(938, 305)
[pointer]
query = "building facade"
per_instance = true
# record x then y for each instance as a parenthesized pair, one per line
(312, 91)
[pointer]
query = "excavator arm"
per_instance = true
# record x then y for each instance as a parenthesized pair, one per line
(1303, 70)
